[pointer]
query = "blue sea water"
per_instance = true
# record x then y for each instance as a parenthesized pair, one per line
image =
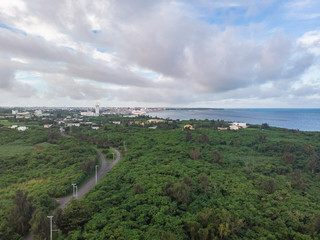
(301, 119)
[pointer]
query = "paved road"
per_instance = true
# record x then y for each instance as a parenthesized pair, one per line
(63, 133)
(105, 167)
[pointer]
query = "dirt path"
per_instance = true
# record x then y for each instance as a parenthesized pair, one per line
(105, 167)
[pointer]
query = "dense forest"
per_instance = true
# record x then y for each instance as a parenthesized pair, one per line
(173, 183)
(255, 183)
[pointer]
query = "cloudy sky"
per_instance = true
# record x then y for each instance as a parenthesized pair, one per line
(204, 53)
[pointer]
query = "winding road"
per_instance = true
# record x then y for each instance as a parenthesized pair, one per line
(105, 167)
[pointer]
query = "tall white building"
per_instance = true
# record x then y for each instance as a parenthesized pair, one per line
(38, 113)
(97, 110)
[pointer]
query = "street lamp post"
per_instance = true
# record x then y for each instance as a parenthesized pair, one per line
(73, 188)
(96, 174)
(50, 226)
(76, 191)
(125, 146)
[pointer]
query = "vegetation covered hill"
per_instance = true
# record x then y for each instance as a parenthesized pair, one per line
(37, 166)
(255, 183)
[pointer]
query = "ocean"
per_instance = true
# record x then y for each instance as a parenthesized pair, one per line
(299, 119)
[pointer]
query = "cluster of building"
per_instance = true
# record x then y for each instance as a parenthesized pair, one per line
(21, 114)
(19, 128)
(234, 126)
(26, 114)
(88, 113)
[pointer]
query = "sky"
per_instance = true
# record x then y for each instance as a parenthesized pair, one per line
(204, 53)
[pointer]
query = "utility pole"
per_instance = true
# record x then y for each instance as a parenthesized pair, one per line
(76, 191)
(50, 226)
(96, 174)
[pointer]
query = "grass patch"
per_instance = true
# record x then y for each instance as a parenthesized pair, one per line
(45, 145)
(7, 123)
(16, 147)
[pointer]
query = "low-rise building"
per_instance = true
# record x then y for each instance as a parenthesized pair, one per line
(23, 115)
(86, 123)
(155, 121)
(22, 128)
(38, 113)
(139, 123)
(59, 122)
(234, 127)
(237, 125)
(47, 125)
(188, 126)
(73, 124)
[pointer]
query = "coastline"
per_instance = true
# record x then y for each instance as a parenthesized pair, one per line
(304, 119)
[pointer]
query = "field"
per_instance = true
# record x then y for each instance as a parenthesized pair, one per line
(16, 147)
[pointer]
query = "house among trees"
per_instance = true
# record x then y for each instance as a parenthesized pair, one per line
(22, 128)
(47, 125)
(73, 124)
(237, 125)
(155, 121)
(188, 126)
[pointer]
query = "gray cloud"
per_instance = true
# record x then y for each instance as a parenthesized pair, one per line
(197, 61)
(8, 83)
(6, 77)
(61, 86)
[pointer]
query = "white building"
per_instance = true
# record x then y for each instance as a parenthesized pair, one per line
(138, 112)
(234, 127)
(47, 125)
(88, 114)
(155, 121)
(237, 125)
(73, 124)
(38, 113)
(95, 128)
(22, 128)
(242, 125)
(97, 110)
(24, 115)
